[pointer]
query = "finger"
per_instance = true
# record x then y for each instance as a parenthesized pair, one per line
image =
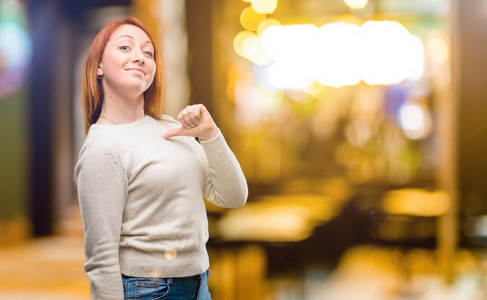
(198, 112)
(192, 115)
(203, 111)
(175, 132)
(186, 117)
(183, 119)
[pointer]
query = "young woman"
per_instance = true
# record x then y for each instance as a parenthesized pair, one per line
(142, 175)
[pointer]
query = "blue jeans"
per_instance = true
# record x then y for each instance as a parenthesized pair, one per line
(179, 288)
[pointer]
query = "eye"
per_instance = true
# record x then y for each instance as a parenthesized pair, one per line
(124, 48)
(148, 53)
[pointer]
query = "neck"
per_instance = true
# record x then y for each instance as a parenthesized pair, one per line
(122, 109)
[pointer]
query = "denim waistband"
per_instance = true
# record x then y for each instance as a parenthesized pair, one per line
(197, 276)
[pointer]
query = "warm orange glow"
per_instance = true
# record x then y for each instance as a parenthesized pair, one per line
(250, 19)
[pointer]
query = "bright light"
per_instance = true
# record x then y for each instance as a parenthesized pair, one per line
(337, 62)
(290, 75)
(264, 6)
(416, 58)
(385, 47)
(239, 40)
(438, 50)
(336, 55)
(15, 46)
(252, 50)
(293, 50)
(314, 89)
(267, 23)
(254, 103)
(416, 202)
(414, 120)
(411, 117)
(356, 4)
(250, 19)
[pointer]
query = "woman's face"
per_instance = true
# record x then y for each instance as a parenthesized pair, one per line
(127, 62)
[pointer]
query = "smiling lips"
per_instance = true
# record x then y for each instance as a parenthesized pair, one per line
(137, 70)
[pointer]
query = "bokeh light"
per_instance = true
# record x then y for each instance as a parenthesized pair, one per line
(340, 54)
(250, 19)
(15, 46)
(239, 40)
(338, 63)
(356, 4)
(292, 49)
(264, 6)
(170, 253)
(416, 202)
(385, 48)
(438, 49)
(414, 120)
(267, 23)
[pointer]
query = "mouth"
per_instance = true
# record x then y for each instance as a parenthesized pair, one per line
(136, 70)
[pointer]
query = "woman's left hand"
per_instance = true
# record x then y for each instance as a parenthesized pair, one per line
(197, 122)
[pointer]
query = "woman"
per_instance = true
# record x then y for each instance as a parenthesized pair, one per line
(142, 175)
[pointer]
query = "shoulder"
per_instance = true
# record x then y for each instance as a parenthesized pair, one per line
(168, 122)
(98, 152)
(168, 118)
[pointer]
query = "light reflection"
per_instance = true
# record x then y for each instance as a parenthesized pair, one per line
(15, 46)
(266, 24)
(416, 202)
(292, 49)
(264, 6)
(438, 49)
(414, 120)
(356, 4)
(411, 117)
(252, 50)
(278, 218)
(170, 253)
(250, 19)
(337, 59)
(239, 40)
(315, 88)
(385, 47)
(340, 54)
(416, 58)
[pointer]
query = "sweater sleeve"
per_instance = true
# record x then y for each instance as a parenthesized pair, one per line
(102, 193)
(225, 183)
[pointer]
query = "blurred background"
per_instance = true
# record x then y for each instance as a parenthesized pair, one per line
(360, 125)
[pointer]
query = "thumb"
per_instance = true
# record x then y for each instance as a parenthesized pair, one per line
(175, 132)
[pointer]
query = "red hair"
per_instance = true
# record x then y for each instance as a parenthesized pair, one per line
(92, 92)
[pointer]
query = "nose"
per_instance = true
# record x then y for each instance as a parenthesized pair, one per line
(138, 57)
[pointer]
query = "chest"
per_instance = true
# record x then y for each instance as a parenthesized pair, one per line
(169, 163)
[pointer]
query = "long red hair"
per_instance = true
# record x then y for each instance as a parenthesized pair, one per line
(92, 92)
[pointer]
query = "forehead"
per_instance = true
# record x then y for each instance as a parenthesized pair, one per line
(131, 30)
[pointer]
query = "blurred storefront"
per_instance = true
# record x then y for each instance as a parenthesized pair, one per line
(359, 125)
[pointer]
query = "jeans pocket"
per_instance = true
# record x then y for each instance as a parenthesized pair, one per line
(151, 290)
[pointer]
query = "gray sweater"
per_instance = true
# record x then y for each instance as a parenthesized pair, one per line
(141, 201)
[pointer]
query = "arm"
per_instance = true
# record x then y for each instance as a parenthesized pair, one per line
(225, 183)
(102, 192)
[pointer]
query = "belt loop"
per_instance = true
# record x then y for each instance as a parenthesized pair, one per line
(199, 277)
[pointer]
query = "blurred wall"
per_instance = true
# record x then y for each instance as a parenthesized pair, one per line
(470, 67)
(13, 165)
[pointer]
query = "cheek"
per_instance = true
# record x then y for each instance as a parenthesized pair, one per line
(152, 74)
(113, 65)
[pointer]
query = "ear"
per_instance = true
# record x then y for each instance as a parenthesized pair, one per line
(99, 71)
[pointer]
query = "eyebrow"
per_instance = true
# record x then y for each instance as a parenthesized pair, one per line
(147, 42)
